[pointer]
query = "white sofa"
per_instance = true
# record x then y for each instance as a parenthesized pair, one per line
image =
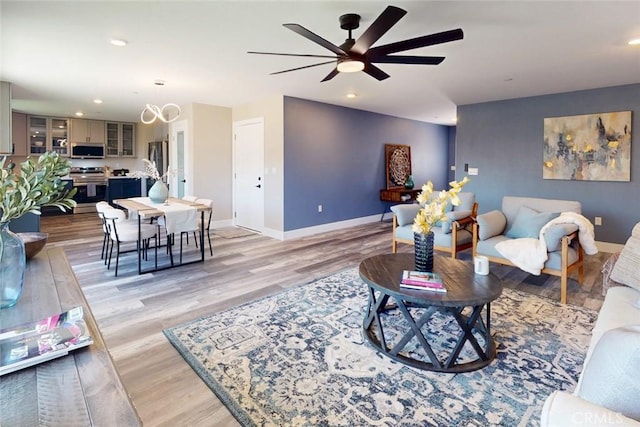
(608, 390)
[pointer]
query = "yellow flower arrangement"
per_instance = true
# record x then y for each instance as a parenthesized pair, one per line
(434, 206)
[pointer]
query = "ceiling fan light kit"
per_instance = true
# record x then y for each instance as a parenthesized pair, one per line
(350, 66)
(359, 55)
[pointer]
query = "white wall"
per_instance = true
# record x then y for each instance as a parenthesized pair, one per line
(210, 132)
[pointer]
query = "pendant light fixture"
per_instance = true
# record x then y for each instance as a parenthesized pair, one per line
(152, 112)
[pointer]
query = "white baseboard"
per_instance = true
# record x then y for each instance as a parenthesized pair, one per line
(333, 226)
(324, 228)
(609, 247)
(222, 223)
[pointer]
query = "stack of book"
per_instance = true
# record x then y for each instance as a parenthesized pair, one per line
(427, 281)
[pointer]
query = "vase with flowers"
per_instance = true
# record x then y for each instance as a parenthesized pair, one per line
(24, 189)
(433, 210)
(158, 193)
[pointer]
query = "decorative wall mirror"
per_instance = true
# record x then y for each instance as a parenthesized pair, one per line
(398, 159)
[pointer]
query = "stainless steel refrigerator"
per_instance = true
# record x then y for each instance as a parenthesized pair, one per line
(158, 151)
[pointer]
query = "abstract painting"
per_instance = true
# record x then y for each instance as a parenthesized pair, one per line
(589, 147)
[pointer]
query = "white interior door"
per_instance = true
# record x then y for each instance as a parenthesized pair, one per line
(248, 160)
(180, 161)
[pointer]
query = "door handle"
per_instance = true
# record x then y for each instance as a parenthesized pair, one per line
(184, 180)
(259, 186)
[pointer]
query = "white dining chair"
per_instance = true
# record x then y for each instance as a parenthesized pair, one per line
(122, 231)
(100, 208)
(207, 224)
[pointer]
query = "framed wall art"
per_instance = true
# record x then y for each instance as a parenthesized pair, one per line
(398, 160)
(589, 147)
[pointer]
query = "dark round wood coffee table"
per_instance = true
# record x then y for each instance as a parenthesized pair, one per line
(467, 296)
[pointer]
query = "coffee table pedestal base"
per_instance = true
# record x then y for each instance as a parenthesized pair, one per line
(374, 331)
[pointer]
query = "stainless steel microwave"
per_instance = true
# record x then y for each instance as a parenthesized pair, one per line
(87, 151)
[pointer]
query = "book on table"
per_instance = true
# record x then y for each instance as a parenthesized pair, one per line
(36, 342)
(422, 280)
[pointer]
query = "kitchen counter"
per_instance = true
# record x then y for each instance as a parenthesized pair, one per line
(82, 388)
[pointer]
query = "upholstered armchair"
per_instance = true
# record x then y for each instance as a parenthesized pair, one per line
(452, 235)
(536, 235)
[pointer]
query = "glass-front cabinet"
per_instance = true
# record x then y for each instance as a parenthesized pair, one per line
(120, 139)
(48, 134)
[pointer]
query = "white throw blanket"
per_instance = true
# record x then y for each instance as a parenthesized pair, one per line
(530, 254)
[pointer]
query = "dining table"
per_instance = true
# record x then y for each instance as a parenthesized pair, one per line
(179, 216)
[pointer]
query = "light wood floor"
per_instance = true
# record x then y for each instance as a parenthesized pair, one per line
(133, 310)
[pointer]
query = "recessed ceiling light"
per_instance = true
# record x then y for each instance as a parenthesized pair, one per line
(634, 42)
(118, 42)
(97, 101)
(79, 113)
(351, 95)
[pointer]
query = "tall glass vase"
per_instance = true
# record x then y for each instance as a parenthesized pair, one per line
(423, 246)
(12, 266)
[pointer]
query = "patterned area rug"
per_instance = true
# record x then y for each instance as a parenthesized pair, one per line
(299, 359)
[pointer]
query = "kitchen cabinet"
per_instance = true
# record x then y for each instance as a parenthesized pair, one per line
(82, 130)
(47, 134)
(19, 134)
(123, 188)
(121, 141)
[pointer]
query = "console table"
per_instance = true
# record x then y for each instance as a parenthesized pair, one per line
(396, 195)
(80, 389)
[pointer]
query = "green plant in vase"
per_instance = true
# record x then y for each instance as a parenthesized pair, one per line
(36, 183)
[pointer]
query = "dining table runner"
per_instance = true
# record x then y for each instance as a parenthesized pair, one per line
(178, 217)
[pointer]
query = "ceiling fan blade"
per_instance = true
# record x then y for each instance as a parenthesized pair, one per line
(315, 38)
(375, 72)
(302, 68)
(387, 19)
(331, 75)
(399, 59)
(432, 39)
(294, 54)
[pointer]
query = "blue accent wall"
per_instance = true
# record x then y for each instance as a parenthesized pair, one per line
(504, 140)
(334, 157)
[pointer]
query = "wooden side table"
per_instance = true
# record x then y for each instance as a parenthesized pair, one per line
(397, 195)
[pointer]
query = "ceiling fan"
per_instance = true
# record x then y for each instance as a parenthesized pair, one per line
(358, 55)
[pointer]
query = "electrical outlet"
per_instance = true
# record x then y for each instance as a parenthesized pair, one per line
(319, 208)
(598, 220)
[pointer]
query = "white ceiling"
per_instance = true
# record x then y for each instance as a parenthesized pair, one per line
(58, 55)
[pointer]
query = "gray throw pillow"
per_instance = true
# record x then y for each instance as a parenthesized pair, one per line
(456, 215)
(405, 213)
(490, 224)
(554, 234)
(528, 223)
(610, 378)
